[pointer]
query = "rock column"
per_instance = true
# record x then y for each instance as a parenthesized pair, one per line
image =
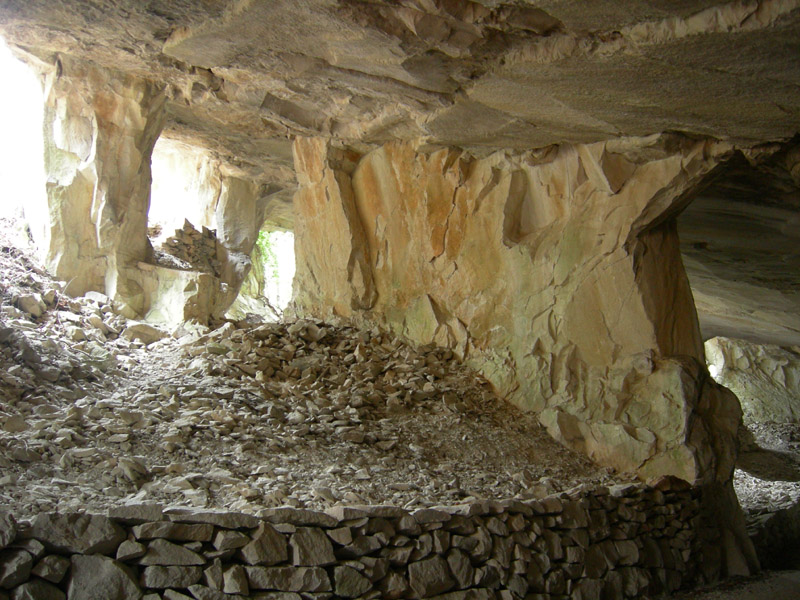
(100, 128)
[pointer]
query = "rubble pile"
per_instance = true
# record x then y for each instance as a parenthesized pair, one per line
(196, 248)
(100, 410)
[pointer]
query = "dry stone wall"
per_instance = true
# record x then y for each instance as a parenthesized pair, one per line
(555, 273)
(608, 542)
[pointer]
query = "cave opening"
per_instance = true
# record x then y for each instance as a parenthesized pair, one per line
(24, 204)
(739, 244)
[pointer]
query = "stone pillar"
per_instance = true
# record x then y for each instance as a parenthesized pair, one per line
(100, 128)
(239, 215)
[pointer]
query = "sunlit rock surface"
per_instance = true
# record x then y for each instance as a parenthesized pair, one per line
(765, 378)
(557, 274)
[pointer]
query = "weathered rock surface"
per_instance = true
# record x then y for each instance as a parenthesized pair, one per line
(517, 75)
(585, 314)
(94, 577)
(765, 378)
(75, 532)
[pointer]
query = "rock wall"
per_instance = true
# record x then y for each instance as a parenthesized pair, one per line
(555, 273)
(765, 378)
(100, 129)
(618, 542)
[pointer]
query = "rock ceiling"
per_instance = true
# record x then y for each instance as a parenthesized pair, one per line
(243, 77)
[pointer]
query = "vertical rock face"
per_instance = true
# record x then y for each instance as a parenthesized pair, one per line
(765, 378)
(556, 274)
(100, 128)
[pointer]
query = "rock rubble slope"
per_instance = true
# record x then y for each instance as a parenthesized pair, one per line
(98, 411)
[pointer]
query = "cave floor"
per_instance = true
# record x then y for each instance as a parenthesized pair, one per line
(249, 417)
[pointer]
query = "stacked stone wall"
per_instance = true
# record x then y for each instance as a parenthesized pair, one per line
(623, 541)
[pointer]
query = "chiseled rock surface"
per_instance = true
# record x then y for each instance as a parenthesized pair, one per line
(555, 273)
(765, 378)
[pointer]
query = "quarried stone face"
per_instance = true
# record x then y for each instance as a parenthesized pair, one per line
(556, 274)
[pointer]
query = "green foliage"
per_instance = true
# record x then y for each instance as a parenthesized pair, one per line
(265, 243)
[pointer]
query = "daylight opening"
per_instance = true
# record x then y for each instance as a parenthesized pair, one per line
(24, 201)
(193, 224)
(267, 290)
(184, 188)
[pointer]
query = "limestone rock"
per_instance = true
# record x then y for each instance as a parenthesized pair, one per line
(77, 533)
(8, 528)
(235, 580)
(764, 378)
(36, 589)
(100, 577)
(170, 577)
(164, 553)
(311, 547)
(53, 568)
(129, 550)
(568, 269)
(143, 332)
(267, 548)
(349, 583)
(289, 579)
(430, 576)
(15, 567)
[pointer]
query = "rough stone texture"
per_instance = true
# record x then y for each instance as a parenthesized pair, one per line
(267, 548)
(585, 314)
(36, 589)
(740, 251)
(77, 533)
(626, 540)
(93, 577)
(53, 568)
(311, 547)
(765, 378)
(100, 127)
(15, 567)
(8, 529)
(289, 579)
(162, 552)
(170, 577)
(485, 74)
